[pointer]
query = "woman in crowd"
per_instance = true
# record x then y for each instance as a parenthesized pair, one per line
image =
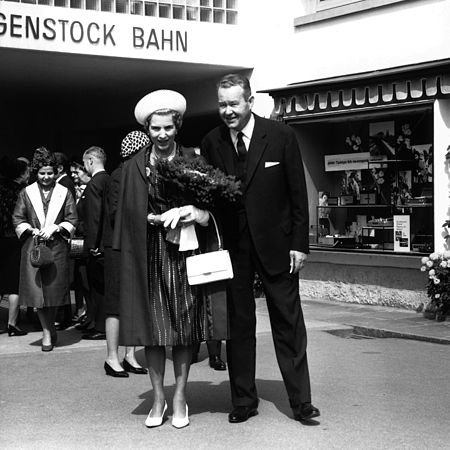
(14, 177)
(45, 211)
(131, 144)
(158, 307)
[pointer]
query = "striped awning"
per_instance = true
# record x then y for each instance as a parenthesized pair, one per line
(396, 86)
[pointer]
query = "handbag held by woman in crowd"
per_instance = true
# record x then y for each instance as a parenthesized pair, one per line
(40, 255)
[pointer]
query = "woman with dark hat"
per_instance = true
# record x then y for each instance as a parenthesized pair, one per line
(45, 211)
(131, 144)
(159, 309)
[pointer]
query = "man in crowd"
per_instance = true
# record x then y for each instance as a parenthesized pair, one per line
(94, 159)
(63, 178)
(266, 233)
(63, 172)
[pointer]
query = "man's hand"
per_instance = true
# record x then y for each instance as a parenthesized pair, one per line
(95, 252)
(298, 260)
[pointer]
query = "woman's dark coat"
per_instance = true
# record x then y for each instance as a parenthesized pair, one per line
(130, 237)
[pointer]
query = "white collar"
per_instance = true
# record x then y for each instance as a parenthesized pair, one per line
(247, 131)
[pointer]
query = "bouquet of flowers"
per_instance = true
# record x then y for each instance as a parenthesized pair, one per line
(193, 182)
(438, 286)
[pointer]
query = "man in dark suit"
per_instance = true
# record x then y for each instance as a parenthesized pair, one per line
(63, 178)
(63, 173)
(94, 159)
(267, 233)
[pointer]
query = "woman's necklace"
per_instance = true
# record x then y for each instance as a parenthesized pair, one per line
(154, 156)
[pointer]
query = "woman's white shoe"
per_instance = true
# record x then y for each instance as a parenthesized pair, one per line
(181, 422)
(152, 422)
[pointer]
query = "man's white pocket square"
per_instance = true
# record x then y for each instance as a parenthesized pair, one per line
(270, 164)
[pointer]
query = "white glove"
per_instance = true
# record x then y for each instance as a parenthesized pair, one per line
(171, 218)
(47, 232)
(190, 213)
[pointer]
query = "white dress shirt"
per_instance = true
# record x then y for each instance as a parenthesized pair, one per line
(247, 132)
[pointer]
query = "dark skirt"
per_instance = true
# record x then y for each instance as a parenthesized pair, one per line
(9, 265)
(176, 310)
(112, 285)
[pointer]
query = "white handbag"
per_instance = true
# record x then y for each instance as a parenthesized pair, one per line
(209, 267)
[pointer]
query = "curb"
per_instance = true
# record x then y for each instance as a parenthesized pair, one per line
(381, 333)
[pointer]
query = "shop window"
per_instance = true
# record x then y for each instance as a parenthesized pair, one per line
(45, 2)
(231, 4)
(374, 180)
(205, 2)
(62, 3)
(76, 4)
(218, 3)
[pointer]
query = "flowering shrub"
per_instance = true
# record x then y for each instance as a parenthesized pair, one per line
(438, 286)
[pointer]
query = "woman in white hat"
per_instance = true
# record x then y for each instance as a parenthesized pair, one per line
(158, 307)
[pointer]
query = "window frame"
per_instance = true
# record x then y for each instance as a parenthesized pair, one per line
(339, 8)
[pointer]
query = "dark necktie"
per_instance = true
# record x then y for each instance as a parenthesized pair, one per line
(242, 156)
(240, 146)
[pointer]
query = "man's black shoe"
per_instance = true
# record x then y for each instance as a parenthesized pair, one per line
(97, 336)
(305, 413)
(242, 414)
(216, 363)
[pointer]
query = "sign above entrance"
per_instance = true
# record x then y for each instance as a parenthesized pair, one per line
(90, 32)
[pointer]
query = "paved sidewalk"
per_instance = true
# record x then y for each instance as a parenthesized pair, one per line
(348, 319)
(367, 390)
(378, 321)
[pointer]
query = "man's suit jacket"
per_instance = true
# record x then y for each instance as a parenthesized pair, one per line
(93, 211)
(274, 197)
(67, 182)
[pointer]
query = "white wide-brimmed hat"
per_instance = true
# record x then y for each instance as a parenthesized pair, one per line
(156, 100)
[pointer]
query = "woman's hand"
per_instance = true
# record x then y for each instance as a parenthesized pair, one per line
(170, 218)
(47, 232)
(191, 214)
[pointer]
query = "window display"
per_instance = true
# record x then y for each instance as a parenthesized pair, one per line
(379, 169)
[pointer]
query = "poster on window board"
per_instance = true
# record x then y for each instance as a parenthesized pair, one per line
(402, 236)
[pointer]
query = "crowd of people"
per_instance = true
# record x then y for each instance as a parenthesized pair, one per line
(111, 242)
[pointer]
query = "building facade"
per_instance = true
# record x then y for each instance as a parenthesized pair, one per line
(365, 84)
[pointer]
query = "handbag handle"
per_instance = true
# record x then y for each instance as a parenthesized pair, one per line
(219, 241)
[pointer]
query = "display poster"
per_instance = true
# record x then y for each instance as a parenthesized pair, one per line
(347, 161)
(402, 236)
